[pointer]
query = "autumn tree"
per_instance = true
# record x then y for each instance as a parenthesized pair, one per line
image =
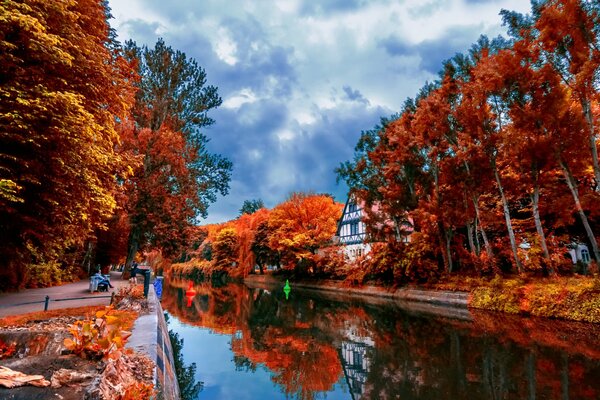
(569, 41)
(63, 86)
(179, 177)
(562, 36)
(263, 254)
(225, 248)
(247, 226)
(302, 224)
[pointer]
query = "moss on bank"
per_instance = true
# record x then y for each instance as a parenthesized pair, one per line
(575, 299)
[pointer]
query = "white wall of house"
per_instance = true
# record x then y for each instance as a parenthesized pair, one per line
(580, 252)
(353, 251)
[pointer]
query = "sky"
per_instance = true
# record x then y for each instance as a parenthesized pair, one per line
(300, 79)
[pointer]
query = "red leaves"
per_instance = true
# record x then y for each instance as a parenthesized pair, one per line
(495, 141)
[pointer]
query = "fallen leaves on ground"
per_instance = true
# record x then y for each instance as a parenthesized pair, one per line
(11, 379)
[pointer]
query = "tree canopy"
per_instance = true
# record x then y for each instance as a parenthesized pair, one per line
(61, 99)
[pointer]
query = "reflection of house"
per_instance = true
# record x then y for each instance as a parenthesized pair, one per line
(352, 231)
(355, 363)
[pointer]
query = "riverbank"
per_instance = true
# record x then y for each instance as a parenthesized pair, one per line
(573, 298)
(70, 364)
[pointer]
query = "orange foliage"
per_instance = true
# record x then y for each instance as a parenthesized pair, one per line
(138, 391)
(246, 226)
(302, 224)
(64, 87)
(7, 350)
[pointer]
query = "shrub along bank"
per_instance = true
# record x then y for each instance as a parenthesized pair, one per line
(567, 298)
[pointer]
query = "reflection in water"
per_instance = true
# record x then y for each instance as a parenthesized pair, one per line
(355, 363)
(314, 344)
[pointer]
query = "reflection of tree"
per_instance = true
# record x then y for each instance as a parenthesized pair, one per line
(301, 364)
(301, 356)
(395, 354)
(186, 375)
(243, 364)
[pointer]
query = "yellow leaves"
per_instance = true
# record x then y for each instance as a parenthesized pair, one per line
(100, 337)
(9, 190)
(31, 22)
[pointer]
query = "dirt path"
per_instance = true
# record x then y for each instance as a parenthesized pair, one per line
(77, 289)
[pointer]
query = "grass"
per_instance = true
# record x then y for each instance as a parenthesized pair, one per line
(128, 317)
(45, 315)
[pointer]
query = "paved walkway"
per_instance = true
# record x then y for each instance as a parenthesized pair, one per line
(77, 289)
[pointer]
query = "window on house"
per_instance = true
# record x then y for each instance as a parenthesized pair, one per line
(351, 207)
(585, 256)
(354, 228)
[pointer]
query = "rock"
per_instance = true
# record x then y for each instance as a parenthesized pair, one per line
(64, 377)
(12, 379)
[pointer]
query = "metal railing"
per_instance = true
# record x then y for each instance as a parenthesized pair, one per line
(47, 301)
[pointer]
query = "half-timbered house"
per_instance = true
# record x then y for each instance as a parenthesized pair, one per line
(352, 231)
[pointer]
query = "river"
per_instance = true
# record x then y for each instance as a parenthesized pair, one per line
(253, 343)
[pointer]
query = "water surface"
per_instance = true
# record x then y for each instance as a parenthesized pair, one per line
(252, 343)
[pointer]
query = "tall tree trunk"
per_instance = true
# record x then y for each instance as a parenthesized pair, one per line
(511, 233)
(442, 231)
(397, 228)
(486, 242)
(445, 238)
(535, 199)
(469, 228)
(448, 237)
(472, 246)
(476, 235)
(132, 246)
(589, 119)
(575, 193)
(87, 258)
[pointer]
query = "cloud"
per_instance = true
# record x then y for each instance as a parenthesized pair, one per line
(329, 7)
(355, 95)
(432, 53)
(300, 79)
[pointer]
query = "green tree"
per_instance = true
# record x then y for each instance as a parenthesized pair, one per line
(251, 206)
(172, 103)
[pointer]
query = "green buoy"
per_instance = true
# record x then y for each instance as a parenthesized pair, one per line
(287, 289)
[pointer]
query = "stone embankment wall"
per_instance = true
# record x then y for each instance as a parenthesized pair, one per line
(150, 336)
(447, 303)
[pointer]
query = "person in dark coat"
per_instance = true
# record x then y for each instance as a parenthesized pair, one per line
(134, 272)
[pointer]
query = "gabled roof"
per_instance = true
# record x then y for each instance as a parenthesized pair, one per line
(344, 212)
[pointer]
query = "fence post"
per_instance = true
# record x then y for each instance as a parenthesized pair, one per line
(46, 303)
(146, 282)
(112, 298)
